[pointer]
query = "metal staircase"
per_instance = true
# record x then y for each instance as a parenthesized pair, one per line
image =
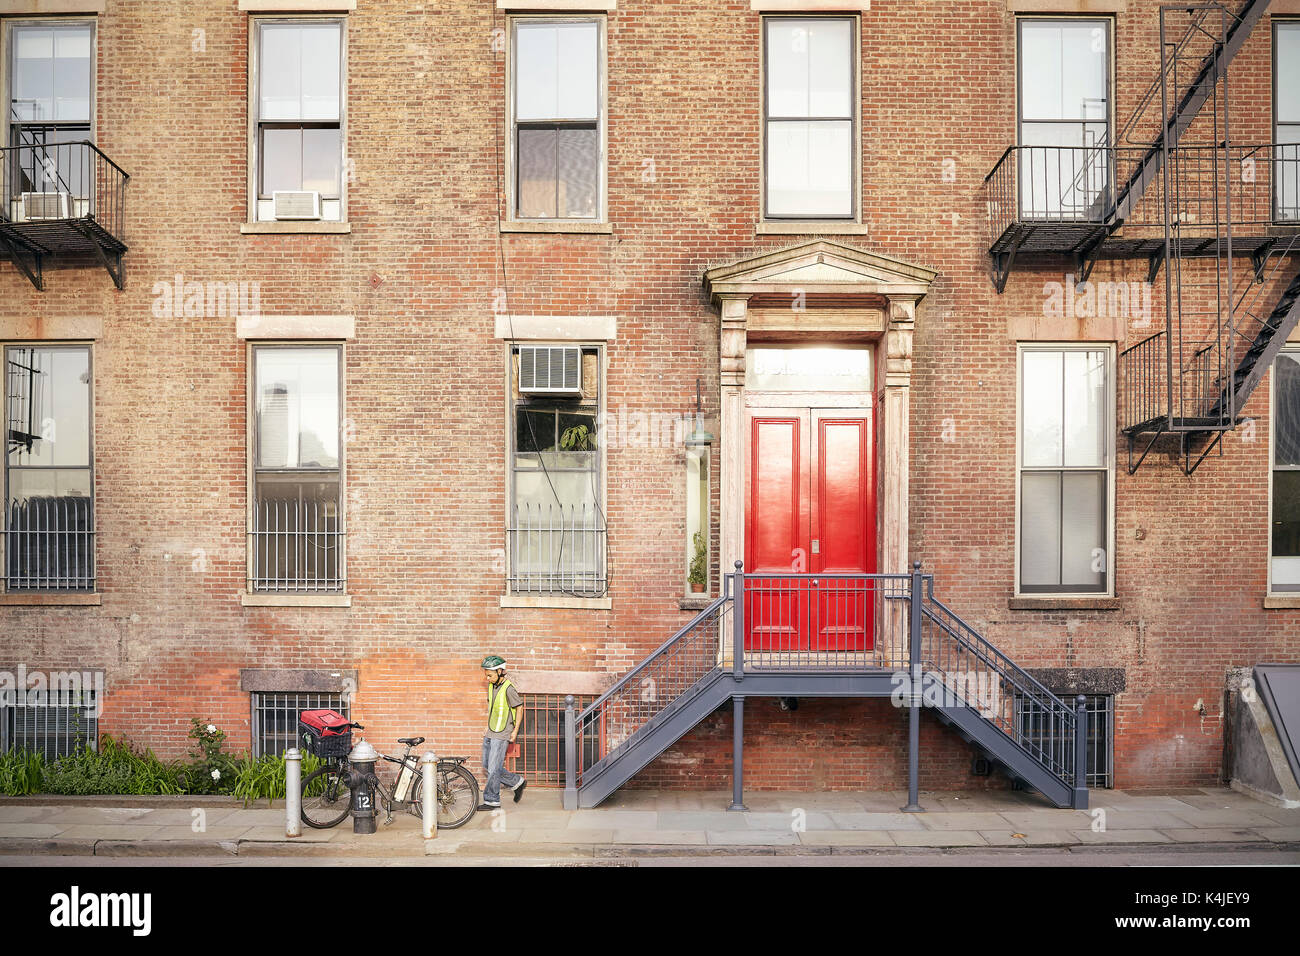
(1220, 202)
(923, 656)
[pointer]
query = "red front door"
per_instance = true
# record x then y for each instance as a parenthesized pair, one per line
(810, 508)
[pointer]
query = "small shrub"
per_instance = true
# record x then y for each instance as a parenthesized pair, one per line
(21, 773)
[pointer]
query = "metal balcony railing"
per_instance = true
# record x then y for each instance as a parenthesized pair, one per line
(61, 199)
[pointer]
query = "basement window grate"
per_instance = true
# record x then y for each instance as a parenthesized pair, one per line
(1101, 736)
(275, 717)
(53, 723)
(541, 738)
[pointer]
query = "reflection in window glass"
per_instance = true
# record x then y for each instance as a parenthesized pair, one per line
(808, 117)
(298, 408)
(1285, 545)
(1286, 84)
(1064, 421)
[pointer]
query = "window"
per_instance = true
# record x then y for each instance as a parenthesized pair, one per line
(1286, 115)
(1284, 553)
(557, 540)
(541, 738)
(1064, 125)
(51, 80)
(275, 717)
(49, 529)
(299, 109)
(1066, 421)
(810, 102)
(297, 527)
(1035, 728)
(53, 722)
(558, 118)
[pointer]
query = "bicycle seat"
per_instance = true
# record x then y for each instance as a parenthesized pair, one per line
(412, 741)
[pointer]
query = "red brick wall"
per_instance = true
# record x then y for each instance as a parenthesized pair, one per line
(426, 481)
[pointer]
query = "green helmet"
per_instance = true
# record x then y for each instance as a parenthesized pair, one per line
(493, 663)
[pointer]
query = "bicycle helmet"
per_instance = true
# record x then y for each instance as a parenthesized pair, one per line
(493, 663)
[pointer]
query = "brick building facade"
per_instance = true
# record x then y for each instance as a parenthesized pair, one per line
(440, 248)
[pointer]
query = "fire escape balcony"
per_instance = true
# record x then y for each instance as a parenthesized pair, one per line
(1070, 201)
(61, 203)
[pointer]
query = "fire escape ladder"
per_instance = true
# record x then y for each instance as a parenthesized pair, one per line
(966, 682)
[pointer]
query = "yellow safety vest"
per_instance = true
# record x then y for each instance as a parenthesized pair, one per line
(499, 709)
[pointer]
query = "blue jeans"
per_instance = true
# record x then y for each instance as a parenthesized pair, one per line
(494, 763)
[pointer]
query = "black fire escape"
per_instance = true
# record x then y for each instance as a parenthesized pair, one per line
(1172, 189)
(61, 202)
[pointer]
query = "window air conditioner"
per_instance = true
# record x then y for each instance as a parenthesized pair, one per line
(38, 206)
(550, 370)
(296, 205)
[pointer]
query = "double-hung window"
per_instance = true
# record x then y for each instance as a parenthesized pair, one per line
(49, 515)
(296, 527)
(556, 536)
(1284, 550)
(299, 110)
(1064, 118)
(51, 79)
(1065, 470)
(557, 117)
(809, 109)
(1286, 117)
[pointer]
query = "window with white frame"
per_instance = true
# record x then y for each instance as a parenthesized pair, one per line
(49, 514)
(1286, 117)
(557, 537)
(51, 94)
(299, 118)
(557, 117)
(1284, 547)
(1065, 470)
(296, 527)
(1064, 121)
(809, 117)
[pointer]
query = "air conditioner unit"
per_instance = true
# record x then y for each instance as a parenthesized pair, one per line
(295, 205)
(550, 370)
(39, 206)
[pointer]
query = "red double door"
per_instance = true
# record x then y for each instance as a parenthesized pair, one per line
(810, 508)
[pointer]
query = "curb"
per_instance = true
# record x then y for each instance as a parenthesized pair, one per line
(419, 849)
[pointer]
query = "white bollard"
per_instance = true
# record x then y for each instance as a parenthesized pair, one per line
(428, 794)
(293, 792)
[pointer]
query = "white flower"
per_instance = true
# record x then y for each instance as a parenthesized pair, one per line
(216, 774)
(212, 728)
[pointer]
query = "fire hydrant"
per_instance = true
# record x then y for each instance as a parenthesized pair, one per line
(362, 761)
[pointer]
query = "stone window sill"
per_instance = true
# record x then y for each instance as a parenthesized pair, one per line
(557, 225)
(295, 600)
(809, 227)
(52, 599)
(696, 602)
(287, 228)
(1282, 601)
(1064, 604)
(556, 601)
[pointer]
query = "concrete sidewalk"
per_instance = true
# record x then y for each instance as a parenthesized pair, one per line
(637, 823)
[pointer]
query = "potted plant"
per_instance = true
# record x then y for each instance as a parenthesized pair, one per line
(699, 570)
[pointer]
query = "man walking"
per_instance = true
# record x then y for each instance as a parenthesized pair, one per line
(505, 710)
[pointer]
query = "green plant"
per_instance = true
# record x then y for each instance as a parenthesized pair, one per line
(699, 570)
(211, 771)
(21, 772)
(258, 777)
(115, 768)
(578, 438)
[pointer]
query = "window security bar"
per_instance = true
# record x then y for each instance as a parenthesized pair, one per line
(557, 550)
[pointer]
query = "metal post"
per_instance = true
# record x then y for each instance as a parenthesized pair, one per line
(570, 800)
(1080, 795)
(738, 621)
(737, 754)
(914, 708)
(428, 805)
(293, 792)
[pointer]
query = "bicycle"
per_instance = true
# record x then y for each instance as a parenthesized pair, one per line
(327, 799)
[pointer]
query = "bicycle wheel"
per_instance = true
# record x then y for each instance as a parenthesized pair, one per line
(457, 796)
(326, 799)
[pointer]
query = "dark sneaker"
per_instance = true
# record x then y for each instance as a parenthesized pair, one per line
(519, 790)
(484, 807)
